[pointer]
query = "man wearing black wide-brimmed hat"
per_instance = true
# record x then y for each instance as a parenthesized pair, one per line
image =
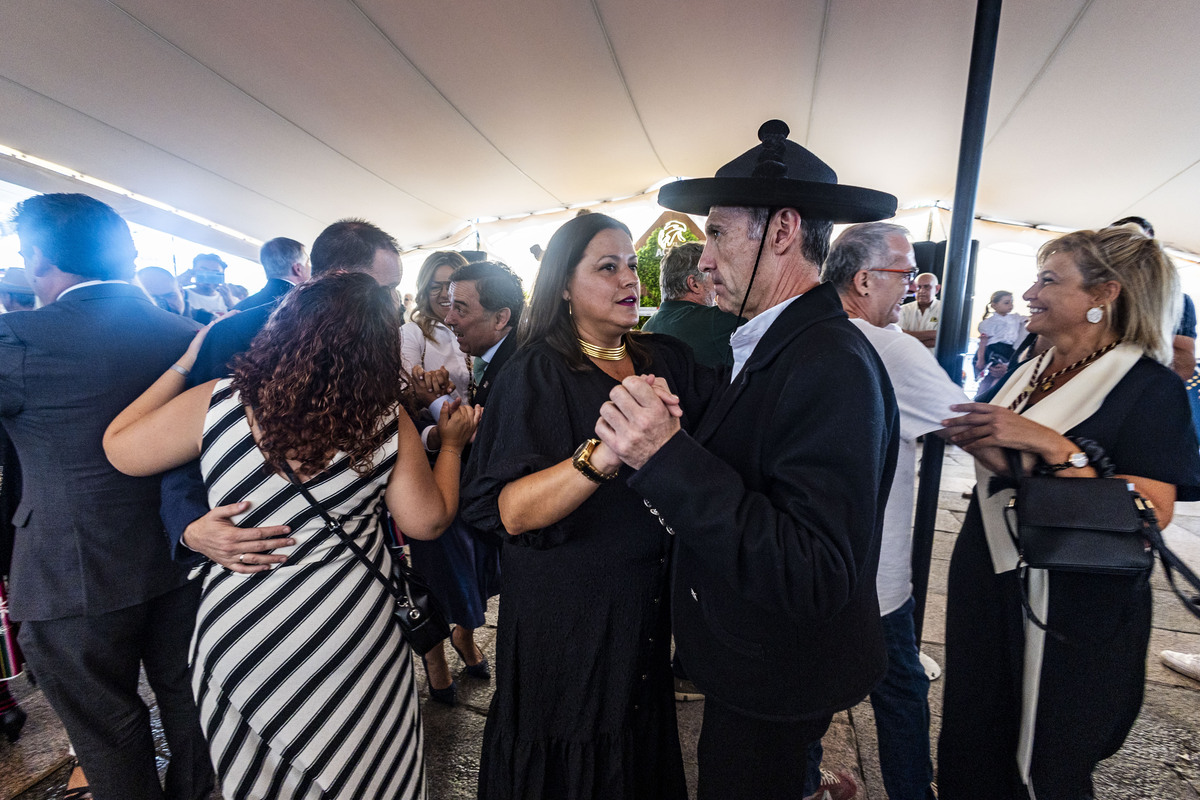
(777, 499)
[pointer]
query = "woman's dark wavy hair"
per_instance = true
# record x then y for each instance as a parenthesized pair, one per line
(324, 374)
(548, 317)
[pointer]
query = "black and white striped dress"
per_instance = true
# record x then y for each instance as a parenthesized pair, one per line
(304, 686)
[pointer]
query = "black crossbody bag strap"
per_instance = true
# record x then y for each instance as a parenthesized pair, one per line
(336, 527)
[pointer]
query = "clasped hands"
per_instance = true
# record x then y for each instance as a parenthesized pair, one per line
(640, 416)
(429, 385)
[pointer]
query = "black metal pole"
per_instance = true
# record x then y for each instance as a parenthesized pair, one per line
(951, 341)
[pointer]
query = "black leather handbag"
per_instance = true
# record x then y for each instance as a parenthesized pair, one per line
(418, 613)
(1099, 525)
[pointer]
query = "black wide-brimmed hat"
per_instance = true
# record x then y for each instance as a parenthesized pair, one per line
(779, 174)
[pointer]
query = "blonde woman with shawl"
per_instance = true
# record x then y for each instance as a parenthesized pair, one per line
(1025, 713)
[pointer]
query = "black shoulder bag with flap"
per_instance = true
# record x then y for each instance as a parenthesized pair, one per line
(1099, 525)
(418, 613)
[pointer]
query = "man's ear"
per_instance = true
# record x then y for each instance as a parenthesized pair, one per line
(787, 230)
(862, 281)
(38, 261)
(502, 318)
(693, 284)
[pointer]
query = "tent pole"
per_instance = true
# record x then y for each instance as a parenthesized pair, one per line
(951, 341)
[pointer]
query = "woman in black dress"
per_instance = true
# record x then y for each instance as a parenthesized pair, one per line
(1023, 711)
(584, 702)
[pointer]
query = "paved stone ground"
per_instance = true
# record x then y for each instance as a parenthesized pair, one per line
(1160, 759)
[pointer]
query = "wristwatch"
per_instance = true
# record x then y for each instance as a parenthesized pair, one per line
(582, 461)
(1077, 460)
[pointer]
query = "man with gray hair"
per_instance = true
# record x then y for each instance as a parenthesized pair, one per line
(688, 311)
(872, 266)
(286, 263)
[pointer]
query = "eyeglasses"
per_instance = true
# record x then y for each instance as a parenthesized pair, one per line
(910, 275)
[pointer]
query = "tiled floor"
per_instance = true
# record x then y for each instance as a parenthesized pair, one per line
(1160, 759)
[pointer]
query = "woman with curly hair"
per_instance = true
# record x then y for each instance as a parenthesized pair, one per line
(304, 684)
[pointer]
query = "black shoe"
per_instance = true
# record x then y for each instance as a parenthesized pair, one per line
(447, 696)
(12, 721)
(480, 669)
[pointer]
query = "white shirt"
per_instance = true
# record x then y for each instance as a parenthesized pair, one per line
(924, 394)
(912, 318)
(746, 338)
(1003, 328)
(212, 303)
(443, 351)
(87, 283)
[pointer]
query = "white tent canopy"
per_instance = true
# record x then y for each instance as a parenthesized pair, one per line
(276, 117)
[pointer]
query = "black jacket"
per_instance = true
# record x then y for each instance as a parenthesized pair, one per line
(88, 539)
(777, 501)
(269, 295)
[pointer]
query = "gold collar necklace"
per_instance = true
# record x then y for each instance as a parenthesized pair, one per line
(602, 353)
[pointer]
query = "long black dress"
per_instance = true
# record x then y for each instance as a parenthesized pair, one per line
(584, 706)
(1091, 684)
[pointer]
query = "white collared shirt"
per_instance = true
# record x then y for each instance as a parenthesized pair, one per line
(72, 288)
(747, 337)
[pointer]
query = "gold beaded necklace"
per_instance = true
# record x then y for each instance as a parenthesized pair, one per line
(602, 353)
(1047, 383)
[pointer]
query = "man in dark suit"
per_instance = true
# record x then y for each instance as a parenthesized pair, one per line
(286, 265)
(777, 498)
(350, 244)
(92, 580)
(486, 301)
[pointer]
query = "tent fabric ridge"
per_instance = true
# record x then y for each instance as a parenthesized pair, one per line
(612, 52)
(450, 104)
(153, 146)
(282, 116)
(1050, 59)
(812, 95)
(1140, 200)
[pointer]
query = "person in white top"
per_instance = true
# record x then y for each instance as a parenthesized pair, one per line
(872, 266)
(920, 319)
(1000, 331)
(430, 352)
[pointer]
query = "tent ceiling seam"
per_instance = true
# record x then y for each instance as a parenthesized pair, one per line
(450, 104)
(612, 52)
(1050, 59)
(153, 146)
(281, 116)
(1177, 175)
(812, 96)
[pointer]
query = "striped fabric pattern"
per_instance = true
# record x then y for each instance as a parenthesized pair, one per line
(304, 684)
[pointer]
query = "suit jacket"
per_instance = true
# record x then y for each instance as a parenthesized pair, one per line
(270, 294)
(777, 500)
(225, 340)
(88, 539)
(506, 349)
(184, 497)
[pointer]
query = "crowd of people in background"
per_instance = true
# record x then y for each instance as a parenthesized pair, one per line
(718, 505)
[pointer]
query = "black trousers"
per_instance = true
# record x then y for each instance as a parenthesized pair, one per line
(88, 667)
(744, 758)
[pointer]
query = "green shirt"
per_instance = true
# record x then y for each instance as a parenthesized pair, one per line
(706, 328)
